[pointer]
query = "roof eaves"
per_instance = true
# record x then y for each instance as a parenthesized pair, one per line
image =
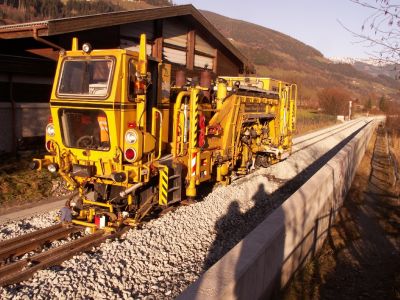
(23, 30)
(66, 25)
(60, 26)
(80, 23)
(14, 27)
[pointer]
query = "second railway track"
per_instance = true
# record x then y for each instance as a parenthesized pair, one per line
(14, 270)
(310, 139)
(35, 240)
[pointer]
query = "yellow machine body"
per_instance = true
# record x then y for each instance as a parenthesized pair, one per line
(128, 149)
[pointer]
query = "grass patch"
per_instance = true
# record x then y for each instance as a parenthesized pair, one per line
(309, 120)
(19, 184)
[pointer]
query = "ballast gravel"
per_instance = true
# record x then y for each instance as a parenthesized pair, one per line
(162, 258)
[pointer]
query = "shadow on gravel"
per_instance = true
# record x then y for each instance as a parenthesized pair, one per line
(231, 228)
(264, 204)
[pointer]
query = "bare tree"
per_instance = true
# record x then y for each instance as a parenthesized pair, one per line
(334, 101)
(381, 29)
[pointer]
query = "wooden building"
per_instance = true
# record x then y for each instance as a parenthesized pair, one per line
(180, 35)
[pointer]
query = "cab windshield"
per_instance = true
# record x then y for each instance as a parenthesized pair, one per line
(84, 129)
(86, 77)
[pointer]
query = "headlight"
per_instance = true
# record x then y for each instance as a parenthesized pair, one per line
(131, 137)
(50, 131)
(87, 48)
(53, 168)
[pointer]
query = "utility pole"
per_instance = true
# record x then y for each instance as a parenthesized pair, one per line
(350, 102)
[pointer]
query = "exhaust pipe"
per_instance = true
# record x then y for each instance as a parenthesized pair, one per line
(130, 189)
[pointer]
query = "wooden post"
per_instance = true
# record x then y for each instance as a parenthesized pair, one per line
(13, 116)
(191, 38)
(215, 61)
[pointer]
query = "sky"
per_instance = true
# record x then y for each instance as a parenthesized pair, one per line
(314, 22)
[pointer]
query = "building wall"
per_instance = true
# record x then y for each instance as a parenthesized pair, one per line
(31, 95)
(177, 48)
(5, 128)
(225, 66)
(31, 120)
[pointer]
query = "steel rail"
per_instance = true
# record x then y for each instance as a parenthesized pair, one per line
(35, 240)
(5, 243)
(24, 269)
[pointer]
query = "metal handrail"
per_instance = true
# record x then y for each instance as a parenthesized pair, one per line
(153, 130)
(177, 108)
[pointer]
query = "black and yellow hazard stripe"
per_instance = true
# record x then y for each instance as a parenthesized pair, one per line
(195, 120)
(163, 187)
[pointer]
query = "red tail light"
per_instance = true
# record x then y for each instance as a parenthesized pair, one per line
(130, 154)
(50, 119)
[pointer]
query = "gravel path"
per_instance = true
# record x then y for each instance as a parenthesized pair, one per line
(167, 254)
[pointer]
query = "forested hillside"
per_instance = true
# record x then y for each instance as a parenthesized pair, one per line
(16, 11)
(278, 55)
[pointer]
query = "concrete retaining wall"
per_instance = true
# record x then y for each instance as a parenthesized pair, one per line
(266, 259)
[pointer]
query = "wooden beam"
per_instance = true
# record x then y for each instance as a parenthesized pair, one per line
(215, 62)
(157, 48)
(191, 38)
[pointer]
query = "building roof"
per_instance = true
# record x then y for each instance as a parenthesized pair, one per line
(74, 24)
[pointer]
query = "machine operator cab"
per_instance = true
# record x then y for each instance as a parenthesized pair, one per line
(81, 79)
(99, 112)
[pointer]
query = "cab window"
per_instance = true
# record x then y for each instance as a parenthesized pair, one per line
(86, 77)
(84, 129)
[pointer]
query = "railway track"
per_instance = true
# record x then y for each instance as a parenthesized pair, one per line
(311, 139)
(12, 271)
(23, 244)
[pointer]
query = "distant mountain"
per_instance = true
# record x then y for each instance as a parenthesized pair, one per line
(389, 70)
(278, 55)
(352, 61)
(370, 66)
